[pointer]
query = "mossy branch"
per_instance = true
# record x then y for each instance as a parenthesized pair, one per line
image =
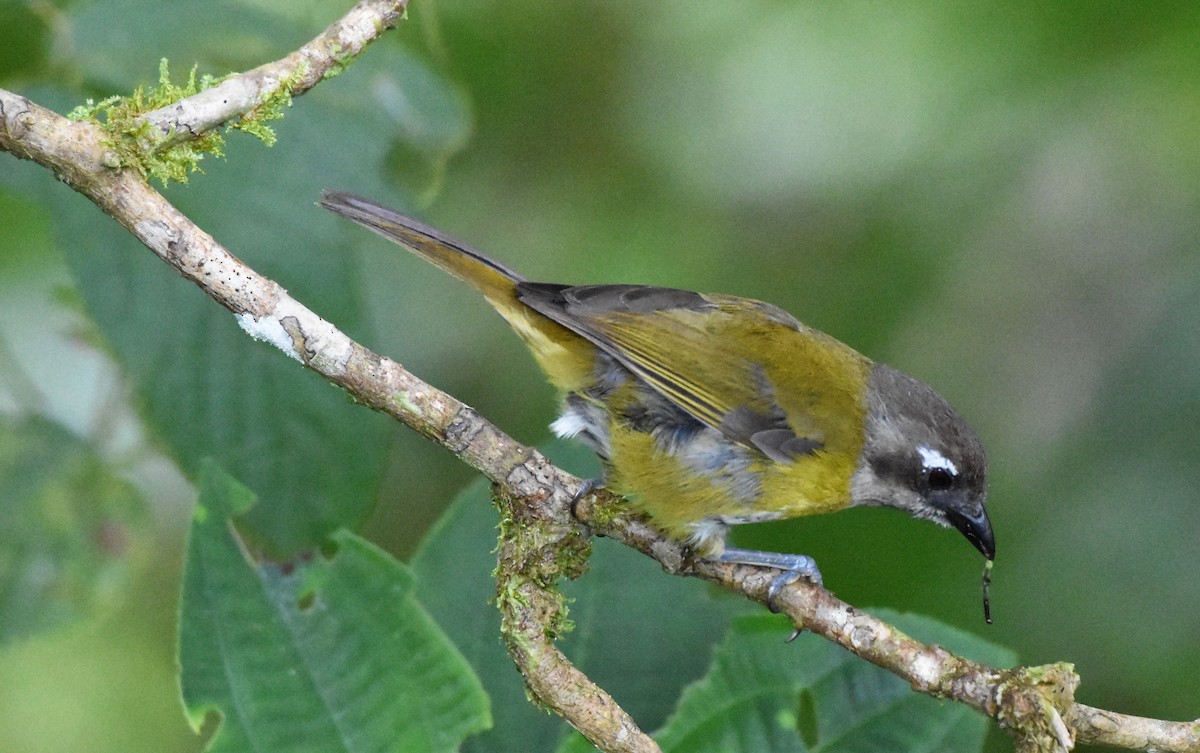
(133, 143)
(165, 132)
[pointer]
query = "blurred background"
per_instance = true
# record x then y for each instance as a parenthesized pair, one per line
(1002, 200)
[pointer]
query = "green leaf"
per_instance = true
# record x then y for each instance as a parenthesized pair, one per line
(639, 633)
(71, 528)
(206, 388)
(762, 694)
(328, 652)
(203, 387)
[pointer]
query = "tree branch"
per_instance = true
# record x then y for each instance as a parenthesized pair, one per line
(1132, 732)
(540, 541)
(298, 72)
(538, 545)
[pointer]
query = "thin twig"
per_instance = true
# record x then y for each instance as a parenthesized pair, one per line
(1102, 727)
(238, 95)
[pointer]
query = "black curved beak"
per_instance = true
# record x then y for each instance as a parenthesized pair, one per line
(976, 527)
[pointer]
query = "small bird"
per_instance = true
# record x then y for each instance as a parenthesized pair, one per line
(709, 411)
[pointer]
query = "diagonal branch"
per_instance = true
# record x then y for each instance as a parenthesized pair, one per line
(1035, 704)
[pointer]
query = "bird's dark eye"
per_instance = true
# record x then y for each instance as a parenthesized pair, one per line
(939, 479)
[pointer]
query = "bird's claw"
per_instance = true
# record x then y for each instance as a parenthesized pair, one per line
(586, 487)
(781, 581)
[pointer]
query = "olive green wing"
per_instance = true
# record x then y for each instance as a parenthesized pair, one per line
(709, 355)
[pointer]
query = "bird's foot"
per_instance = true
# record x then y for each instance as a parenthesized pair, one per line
(794, 567)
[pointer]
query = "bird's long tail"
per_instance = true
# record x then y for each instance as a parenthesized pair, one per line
(566, 357)
(496, 281)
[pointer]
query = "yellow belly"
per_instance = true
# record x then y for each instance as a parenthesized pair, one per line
(687, 490)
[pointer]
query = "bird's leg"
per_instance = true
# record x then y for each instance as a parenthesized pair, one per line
(794, 567)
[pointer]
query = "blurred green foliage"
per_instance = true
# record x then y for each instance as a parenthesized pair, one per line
(1001, 199)
(71, 528)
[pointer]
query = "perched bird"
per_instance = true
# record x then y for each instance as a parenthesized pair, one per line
(709, 411)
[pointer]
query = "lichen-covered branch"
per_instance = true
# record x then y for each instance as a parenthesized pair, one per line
(541, 542)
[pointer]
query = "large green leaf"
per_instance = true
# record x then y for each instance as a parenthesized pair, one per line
(762, 694)
(324, 653)
(70, 531)
(639, 633)
(208, 390)
(204, 387)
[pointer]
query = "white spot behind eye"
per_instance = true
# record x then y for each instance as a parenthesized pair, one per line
(931, 458)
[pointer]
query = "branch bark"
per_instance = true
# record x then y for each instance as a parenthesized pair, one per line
(537, 544)
(1035, 704)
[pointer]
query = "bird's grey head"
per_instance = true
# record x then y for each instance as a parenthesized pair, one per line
(920, 456)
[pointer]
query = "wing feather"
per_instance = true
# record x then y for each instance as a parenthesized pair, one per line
(706, 354)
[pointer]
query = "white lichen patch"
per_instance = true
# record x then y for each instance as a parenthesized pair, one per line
(269, 330)
(925, 669)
